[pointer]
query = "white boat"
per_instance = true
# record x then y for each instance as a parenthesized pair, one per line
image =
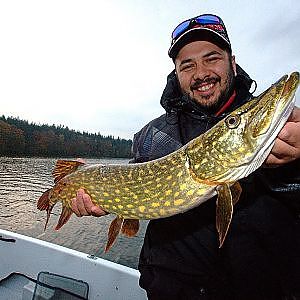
(35, 269)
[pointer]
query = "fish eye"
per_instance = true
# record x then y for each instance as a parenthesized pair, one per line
(233, 121)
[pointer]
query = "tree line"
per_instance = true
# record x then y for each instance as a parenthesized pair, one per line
(21, 138)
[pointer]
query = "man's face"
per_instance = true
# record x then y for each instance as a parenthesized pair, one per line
(206, 73)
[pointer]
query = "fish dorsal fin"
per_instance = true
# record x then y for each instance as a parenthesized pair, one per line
(130, 227)
(224, 211)
(113, 231)
(65, 167)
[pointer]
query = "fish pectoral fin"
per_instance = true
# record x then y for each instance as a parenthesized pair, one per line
(114, 230)
(44, 201)
(49, 209)
(236, 191)
(130, 227)
(224, 210)
(64, 217)
(65, 167)
(44, 204)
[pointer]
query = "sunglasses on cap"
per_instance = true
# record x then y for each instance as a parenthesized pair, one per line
(209, 21)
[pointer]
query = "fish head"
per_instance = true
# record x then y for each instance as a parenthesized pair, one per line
(238, 145)
(271, 111)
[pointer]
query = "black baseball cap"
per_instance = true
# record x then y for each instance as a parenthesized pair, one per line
(204, 27)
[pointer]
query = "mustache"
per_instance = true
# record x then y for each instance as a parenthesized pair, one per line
(200, 82)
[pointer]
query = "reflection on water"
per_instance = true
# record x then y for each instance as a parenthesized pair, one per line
(23, 180)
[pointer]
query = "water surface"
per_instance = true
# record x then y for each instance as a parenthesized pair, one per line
(22, 182)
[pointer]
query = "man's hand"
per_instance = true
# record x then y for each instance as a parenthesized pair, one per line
(82, 205)
(287, 144)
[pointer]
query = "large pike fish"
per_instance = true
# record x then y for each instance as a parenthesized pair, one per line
(210, 164)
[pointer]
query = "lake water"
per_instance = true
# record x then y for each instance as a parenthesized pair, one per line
(22, 182)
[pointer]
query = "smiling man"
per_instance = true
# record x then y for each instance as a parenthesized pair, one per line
(206, 73)
(180, 258)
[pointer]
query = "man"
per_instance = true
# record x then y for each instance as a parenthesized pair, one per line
(180, 258)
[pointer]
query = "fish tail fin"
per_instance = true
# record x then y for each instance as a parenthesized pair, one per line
(44, 204)
(114, 229)
(64, 217)
(130, 227)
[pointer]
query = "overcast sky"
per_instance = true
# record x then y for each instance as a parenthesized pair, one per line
(101, 66)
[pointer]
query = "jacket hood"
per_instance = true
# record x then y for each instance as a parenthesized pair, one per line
(172, 98)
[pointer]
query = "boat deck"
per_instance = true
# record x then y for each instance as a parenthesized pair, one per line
(17, 287)
(23, 259)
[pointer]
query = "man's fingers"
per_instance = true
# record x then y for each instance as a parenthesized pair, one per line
(295, 115)
(281, 153)
(78, 204)
(89, 207)
(97, 211)
(87, 203)
(82, 205)
(279, 149)
(272, 161)
(287, 144)
(74, 207)
(289, 134)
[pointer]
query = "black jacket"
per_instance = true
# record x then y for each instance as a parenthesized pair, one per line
(260, 258)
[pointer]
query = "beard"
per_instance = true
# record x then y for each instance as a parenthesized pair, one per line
(212, 107)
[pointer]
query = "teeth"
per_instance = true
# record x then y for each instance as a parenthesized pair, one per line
(205, 87)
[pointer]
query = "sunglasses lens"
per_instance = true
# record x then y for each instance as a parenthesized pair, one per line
(208, 19)
(180, 28)
(202, 20)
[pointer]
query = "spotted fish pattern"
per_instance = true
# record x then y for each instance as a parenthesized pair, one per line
(208, 165)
